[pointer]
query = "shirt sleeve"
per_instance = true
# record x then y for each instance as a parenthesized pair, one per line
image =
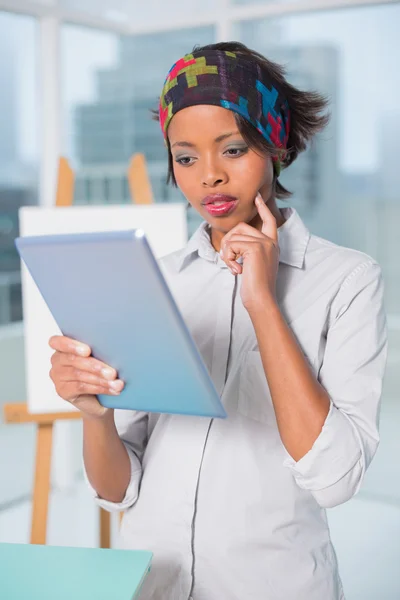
(132, 427)
(352, 373)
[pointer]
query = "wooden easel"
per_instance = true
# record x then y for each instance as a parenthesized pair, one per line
(141, 193)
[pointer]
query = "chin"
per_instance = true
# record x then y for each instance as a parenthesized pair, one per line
(217, 225)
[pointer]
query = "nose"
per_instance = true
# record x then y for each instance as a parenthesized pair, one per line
(213, 175)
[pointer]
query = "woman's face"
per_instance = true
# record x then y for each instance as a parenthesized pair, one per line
(215, 169)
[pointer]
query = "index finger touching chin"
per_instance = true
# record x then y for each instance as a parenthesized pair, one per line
(269, 227)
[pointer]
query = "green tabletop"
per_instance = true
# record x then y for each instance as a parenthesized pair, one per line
(30, 572)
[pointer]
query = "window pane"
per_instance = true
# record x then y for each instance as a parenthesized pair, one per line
(347, 186)
(18, 187)
(110, 85)
(252, 2)
(151, 12)
(18, 149)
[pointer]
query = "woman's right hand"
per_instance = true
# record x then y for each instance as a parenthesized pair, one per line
(78, 377)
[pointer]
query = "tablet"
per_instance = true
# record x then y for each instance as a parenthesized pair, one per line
(106, 290)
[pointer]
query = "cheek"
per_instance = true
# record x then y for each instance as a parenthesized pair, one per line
(183, 180)
(177, 172)
(253, 172)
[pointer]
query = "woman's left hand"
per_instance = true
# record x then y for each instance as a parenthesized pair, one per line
(260, 252)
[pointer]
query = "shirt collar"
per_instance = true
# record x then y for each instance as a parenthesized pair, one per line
(293, 238)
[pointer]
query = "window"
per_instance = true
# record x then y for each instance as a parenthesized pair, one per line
(18, 149)
(253, 2)
(110, 86)
(18, 187)
(151, 13)
(347, 186)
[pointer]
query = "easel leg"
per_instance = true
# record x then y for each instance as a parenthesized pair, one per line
(105, 529)
(41, 491)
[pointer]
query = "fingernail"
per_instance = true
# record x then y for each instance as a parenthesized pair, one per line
(114, 393)
(107, 372)
(81, 350)
(116, 385)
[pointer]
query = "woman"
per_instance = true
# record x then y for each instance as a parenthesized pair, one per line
(293, 332)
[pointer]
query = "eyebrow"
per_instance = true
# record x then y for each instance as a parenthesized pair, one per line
(218, 139)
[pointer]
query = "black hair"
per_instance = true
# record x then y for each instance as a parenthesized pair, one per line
(308, 113)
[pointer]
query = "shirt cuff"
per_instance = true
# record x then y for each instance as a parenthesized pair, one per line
(132, 491)
(334, 453)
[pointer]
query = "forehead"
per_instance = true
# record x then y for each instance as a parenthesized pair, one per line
(202, 121)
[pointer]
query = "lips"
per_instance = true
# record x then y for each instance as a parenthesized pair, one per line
(217, 198)
(219, 205)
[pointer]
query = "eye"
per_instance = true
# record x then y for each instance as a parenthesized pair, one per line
(184, 161)
(234, 152)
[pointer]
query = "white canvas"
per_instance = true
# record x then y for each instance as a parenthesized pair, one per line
(166, 229)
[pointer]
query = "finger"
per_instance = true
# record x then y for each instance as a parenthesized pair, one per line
(72, 390)
(243, 229)
(68, 374)
(90, 364)
(66, 344)
(227, 253)
(235, 248)
(242, 237)
(269, 222)
(231, 263)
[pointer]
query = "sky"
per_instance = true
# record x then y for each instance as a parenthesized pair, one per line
(366, 40)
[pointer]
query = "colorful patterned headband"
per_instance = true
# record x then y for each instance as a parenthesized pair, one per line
(232, 81)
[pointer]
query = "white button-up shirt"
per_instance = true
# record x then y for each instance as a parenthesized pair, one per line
(228, 514)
